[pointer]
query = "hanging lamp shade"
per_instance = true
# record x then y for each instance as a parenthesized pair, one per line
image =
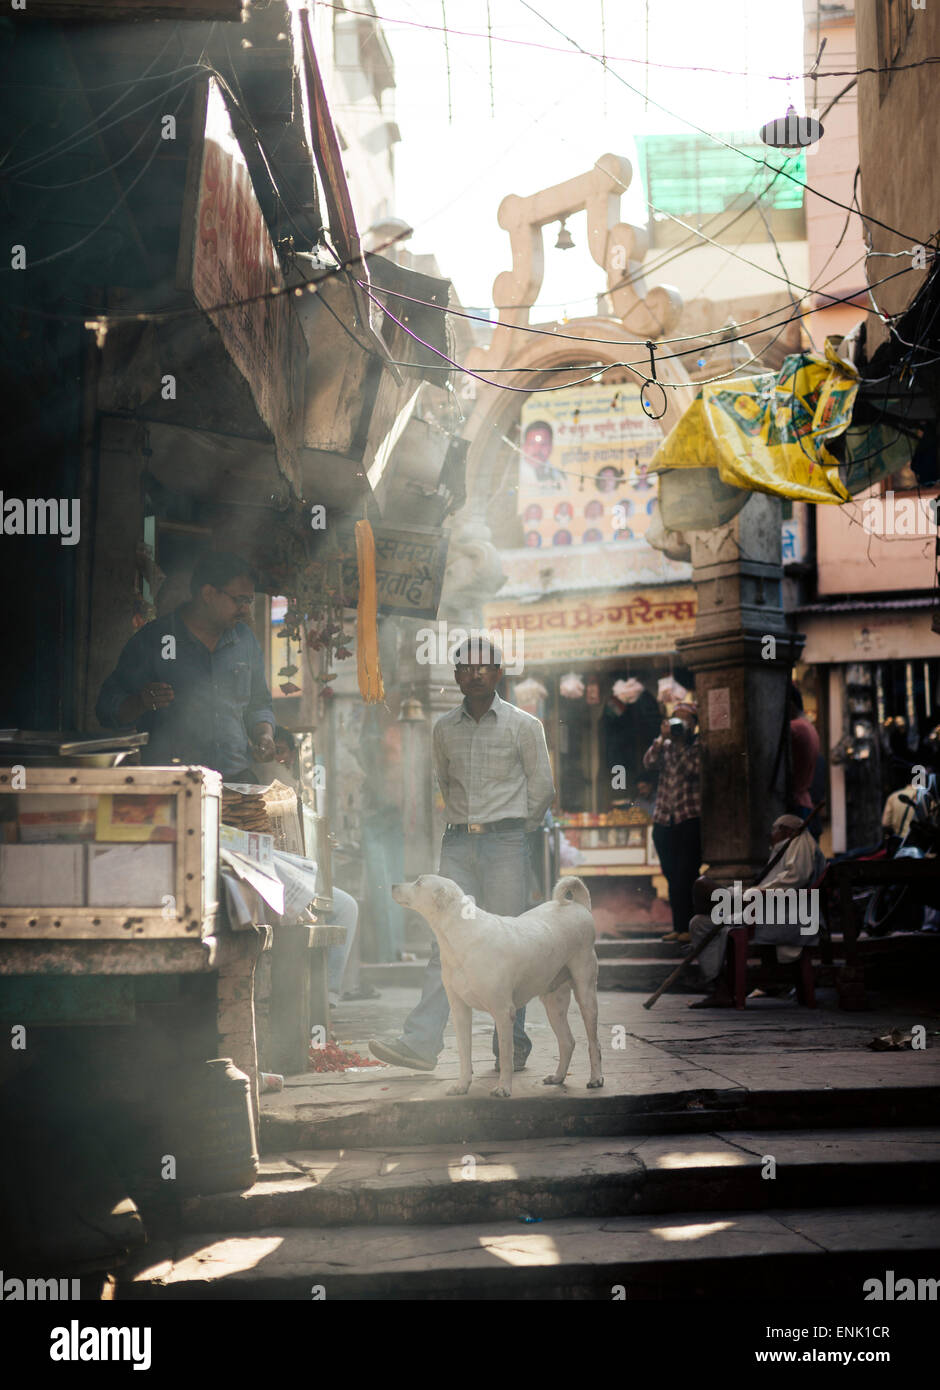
(564, 242)
(791, 132)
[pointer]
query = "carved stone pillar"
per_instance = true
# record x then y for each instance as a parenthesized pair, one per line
(741, 654)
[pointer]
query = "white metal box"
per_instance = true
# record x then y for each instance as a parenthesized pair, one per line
(171, 813)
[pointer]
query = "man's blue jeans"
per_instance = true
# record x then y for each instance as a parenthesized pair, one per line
(345, 914)
(492, 868)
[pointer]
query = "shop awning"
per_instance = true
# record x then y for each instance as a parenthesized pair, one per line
(873, 630)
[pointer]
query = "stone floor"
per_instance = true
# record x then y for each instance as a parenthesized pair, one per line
(771, 1045)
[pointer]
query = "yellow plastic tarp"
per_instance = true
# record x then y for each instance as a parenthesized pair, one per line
(768, 433)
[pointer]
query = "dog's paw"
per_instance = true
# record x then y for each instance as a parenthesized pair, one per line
(553, 1080)
(458, 1090)
(594, 1085)
(501, 1092)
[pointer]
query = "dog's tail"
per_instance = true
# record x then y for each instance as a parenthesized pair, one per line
(571, 890)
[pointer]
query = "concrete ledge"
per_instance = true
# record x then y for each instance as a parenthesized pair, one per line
(824, 1255)
(555, 1179)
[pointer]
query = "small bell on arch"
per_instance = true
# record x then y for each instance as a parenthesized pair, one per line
(564, 242)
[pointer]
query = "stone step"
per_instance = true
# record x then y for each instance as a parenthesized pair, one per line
(640, 948)
(642, 963)
(554, 1179)
(364, 1118)
(824, 1254)
(640, 975)
(629, 968)
(645, 948)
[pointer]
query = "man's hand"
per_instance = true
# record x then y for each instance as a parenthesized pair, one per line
(664, 729)
(156, 695)
(263, 747)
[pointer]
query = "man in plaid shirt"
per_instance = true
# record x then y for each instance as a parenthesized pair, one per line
(677, 815)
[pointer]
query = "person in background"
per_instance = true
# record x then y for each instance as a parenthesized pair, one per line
(799, 867)
(495, 776)
(896, 815)
(345, 908)
(677, 835)
(194, 679)
(804, 754)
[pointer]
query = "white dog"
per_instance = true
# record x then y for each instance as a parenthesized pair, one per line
(499, 963)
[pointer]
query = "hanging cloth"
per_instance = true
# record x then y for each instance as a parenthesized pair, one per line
(367, 634)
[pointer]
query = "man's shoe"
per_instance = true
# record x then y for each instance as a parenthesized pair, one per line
(520, 1056)
(399, 1055)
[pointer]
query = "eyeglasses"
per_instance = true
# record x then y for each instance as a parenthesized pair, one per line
(240, 600)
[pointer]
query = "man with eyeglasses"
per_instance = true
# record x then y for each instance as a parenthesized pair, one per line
(194, 679)
(495, 776)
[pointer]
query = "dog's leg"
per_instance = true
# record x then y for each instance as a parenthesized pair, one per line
(584, 979)
(463, 1018)
(503, 1021)
(556, 1006)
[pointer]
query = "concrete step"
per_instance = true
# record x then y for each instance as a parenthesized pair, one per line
(641, 964)
(640, 948)
(640, 975)
(818, 1253)
(363, 1117)
(554, 1179)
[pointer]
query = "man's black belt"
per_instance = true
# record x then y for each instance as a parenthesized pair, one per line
(485, 827)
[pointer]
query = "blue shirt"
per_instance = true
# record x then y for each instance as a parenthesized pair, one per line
(219, 696)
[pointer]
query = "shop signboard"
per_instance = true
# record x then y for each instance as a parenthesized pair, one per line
(234, 262)
(409, 570)
(594, 626)
(585, 452)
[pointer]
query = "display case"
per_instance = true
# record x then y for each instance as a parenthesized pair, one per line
(613, 843)
(116, 853)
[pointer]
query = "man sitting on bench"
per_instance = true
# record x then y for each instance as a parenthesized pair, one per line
(798, 869)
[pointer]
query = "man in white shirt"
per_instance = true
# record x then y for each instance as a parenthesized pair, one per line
(493, 768)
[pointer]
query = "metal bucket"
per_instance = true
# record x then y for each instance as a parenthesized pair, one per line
(216, 1150)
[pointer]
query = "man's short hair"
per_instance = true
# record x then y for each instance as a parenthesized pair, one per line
(478, 651)
(539, 425)
(282, 735)
(218, 568)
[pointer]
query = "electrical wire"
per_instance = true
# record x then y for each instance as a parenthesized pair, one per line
(717, 138)
(477, 376)
(608, 58)
(94, 127)
(619, 342)
(88, 178)
(77, 245)
(75, 143)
